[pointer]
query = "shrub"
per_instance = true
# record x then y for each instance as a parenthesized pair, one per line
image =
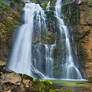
(43, 5)
(90, 80)
(3, 4)
(89, 3)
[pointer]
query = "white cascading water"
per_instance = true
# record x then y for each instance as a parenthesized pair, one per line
(48, 6)
(49, 60)
(20, 60)
(27, 55)
(69, 69)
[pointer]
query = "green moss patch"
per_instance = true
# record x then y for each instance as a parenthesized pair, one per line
(90, 80)
(43, 5)
(89, 3)
(4, 5)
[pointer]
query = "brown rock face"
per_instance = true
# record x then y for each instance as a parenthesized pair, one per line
(81, 1)
(85, 38)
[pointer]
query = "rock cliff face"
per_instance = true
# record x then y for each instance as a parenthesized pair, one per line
(9, 20)
(79, 17)
(84, 37)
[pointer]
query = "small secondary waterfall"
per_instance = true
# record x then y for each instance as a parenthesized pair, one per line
(34, 56)
(48, 6)
(69, 69)
(49, 60)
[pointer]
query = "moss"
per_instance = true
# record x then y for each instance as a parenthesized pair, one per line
(81, 53)
(37, 81)
(34, 1)
(16, 1)
(44, 37)
(24, 76)
(51, 90)
(52, 3)
(89, 3)
(43, 86)
(47, 82)
(52, 35)
(71, 14)
(4, 5)
(9, 20)
(43, 5)
(49, 38)
(90, 80)
(90, 18)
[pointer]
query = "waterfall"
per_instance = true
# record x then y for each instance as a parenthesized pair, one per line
(33, 56)
(48, 6)
(49, 60)
(20, 59)
(69, 68)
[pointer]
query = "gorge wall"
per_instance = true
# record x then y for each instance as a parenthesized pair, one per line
(79, 18)
(84, 37)
(10, 17)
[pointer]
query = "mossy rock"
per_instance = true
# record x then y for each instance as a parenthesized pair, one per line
(37, 81)
(24, 76)
(47, 82)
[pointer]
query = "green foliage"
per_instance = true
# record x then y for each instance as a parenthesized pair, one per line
(51, 90)
(52, 3)
(90, 18)
(68, 90)
(44, 37)
(47, 82)
(89, 3)
(34, 1)
(24, 76)
(90, 15)
(3, 4)
(90, 80)
(49, 38)
(43, 86)
(37, 81)
(8, 21)
(52, 35)
(3, 12)
(71, 14)
(43, 5)
(17, 1)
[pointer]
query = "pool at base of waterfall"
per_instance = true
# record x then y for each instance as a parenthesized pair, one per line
(72, 85)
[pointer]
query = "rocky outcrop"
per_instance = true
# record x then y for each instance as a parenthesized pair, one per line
(13, 82)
